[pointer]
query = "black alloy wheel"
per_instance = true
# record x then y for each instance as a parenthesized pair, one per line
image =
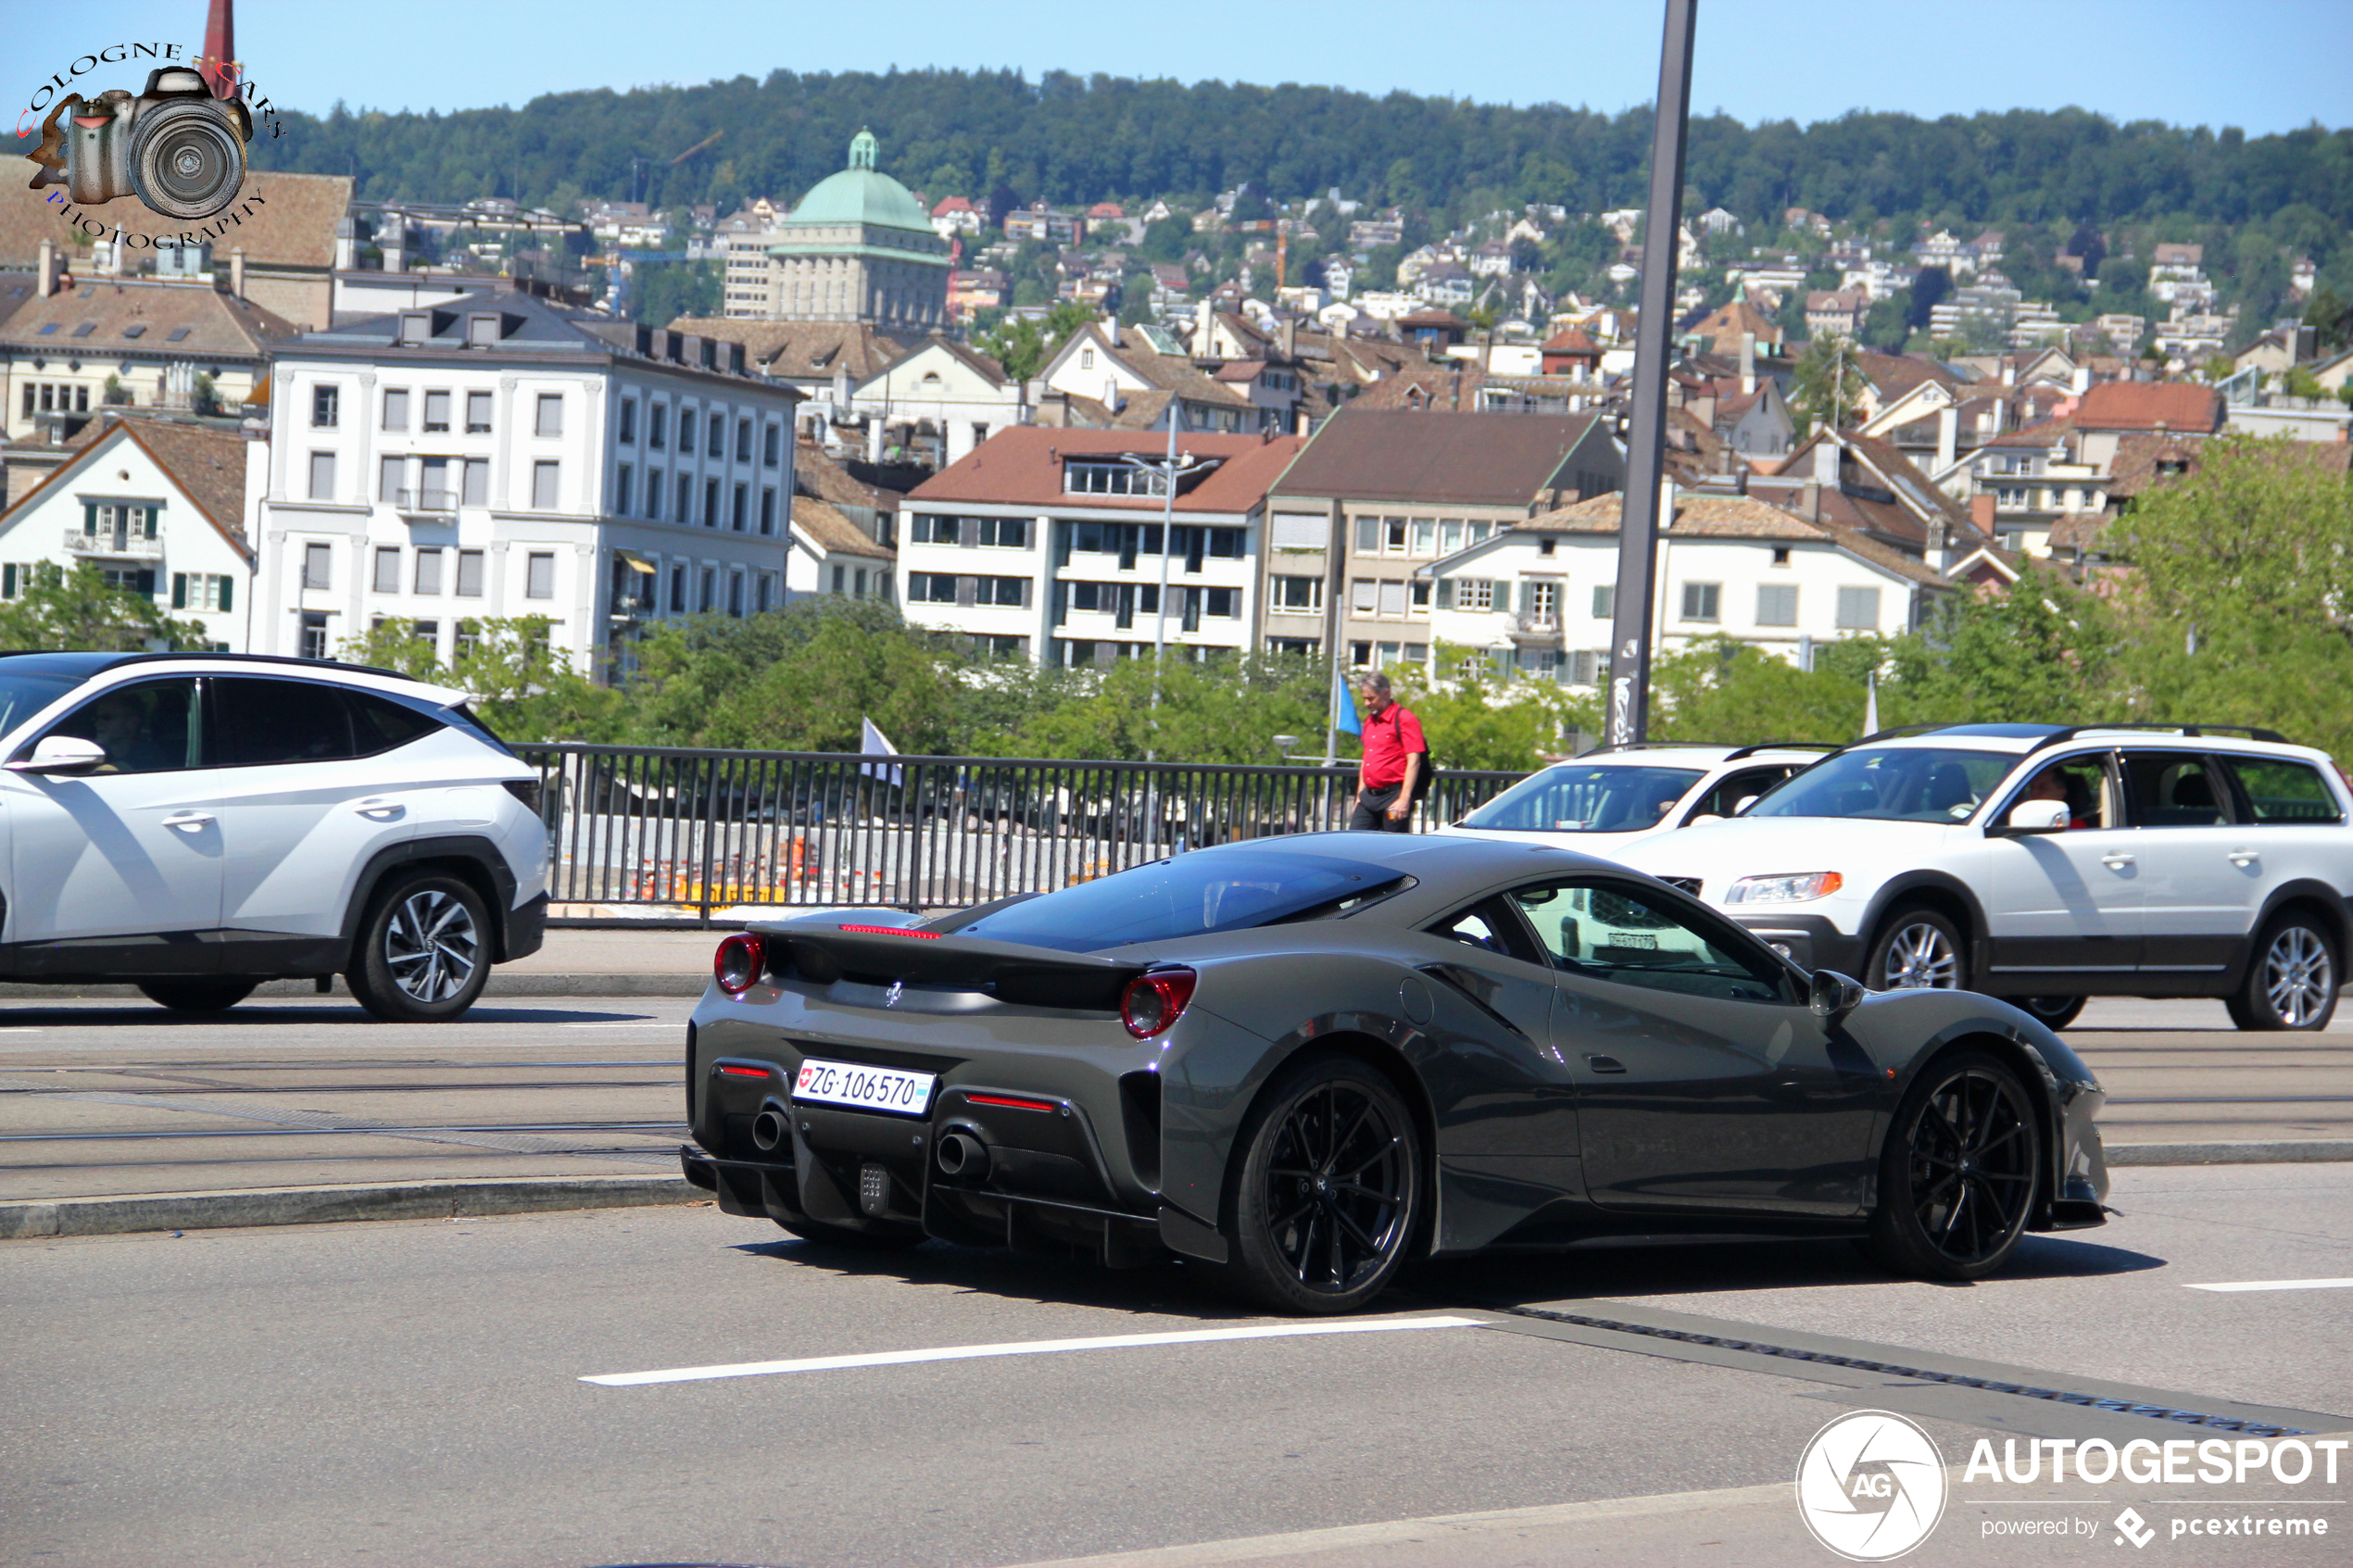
(1960, 1171)
(2292, 981)
(424, 954)
(198, 995)
(1917, 949)
(1328, 1190)
(2052, 1012)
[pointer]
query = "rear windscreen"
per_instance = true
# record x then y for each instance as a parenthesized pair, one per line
(1189, 895)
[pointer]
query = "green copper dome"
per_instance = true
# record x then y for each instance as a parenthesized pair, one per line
(861, 194)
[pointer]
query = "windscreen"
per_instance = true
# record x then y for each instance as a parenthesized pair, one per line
(22, 696)
(1189, 895)
(1606, 798)
(1899, 784)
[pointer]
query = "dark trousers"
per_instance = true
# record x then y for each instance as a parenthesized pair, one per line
(1372, 812)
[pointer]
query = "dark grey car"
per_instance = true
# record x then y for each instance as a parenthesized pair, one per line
(1303, 1061)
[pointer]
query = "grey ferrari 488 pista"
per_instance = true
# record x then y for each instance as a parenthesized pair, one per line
(1305, 1060)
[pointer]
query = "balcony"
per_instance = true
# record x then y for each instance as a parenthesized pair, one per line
(116, 544)
(425, 503)
(1537, 625)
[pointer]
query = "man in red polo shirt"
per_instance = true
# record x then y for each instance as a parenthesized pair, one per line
(1395, 755)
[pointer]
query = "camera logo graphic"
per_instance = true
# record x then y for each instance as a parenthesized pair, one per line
(1871, 1486)
(175, 146)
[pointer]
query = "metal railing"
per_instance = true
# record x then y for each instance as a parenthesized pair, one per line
(695, 831)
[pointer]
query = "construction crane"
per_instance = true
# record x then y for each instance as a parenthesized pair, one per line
(638, 165)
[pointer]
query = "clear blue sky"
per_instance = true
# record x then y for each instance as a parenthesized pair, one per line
(2262, 65)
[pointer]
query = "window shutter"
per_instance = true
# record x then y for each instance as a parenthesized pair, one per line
(967, 590)
(227, 584)
(179, 590)
(90, 518)
(8, 581)
(1445, 593)
(150, 523)
(148, 583)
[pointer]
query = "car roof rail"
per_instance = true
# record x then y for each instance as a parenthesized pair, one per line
(327, 665)
(1784, 745)
(2251, 732)
(1647, 746)
(1899, 731)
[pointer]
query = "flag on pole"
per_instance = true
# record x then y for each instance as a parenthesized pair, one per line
(872, 743)
(1870, 703)
(1344, 710)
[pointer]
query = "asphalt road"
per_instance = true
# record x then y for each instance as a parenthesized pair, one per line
(411, 1393)
(100, 1098)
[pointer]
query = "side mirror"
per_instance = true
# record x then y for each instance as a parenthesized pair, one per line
(2039, 815)
(1702, 817)
(62, 754)
(1746, 801)
(1833, 996)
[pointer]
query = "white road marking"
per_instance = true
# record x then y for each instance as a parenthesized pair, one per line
(632, 1023)
(2281, 1285)
(1023, 1348)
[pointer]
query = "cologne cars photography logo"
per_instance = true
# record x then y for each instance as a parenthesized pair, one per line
(178, 145)
(1871, 1486)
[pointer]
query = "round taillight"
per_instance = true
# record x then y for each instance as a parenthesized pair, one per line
(1154, 1001)
(738, 961)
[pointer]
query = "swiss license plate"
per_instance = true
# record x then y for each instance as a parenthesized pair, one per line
(868, 1088)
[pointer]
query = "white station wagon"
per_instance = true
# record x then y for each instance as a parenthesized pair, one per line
(2049, 864)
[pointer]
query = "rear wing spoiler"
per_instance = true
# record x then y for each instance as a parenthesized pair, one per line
(1013, 972)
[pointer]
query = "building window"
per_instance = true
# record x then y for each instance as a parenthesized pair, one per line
(1393, 535)
(1543, 603)
(544, 480)
(770, 447)
(318, 566)
(1700, 600)
(1003, 533)
(841, 575)
(550, 420)
(620, 491)
(715, 422)
(464, 639)
(482, 331)
(678, 590)
(768, 508)
(1111, 479)
(322, 476)
(1393, 597)
(196, 590)
(767, 592)
(710, 503)
(686, 431)
(1299, 594)
(924, 529)
(396, 409)
(326, 404)
(1425, 537)
(1776, 604)
(540, 575)
(477, 481)
(312, 643)
(656, 422)
(1419, 588)
(388, 569)
(735, 594)
(428, 569)
(1858, 609)
(743, 441)
(1363, 595)
(1780, 554)
(628, 430)
(1223, 604)
(710, 588)
(741, 515)
(939, 588)
(1474, 592)
(685, 498)
(436, 413)
(477, 413)
(470, 574)
(428, 632)
(392, 479)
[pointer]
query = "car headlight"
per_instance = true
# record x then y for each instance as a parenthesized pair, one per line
(1790, 887)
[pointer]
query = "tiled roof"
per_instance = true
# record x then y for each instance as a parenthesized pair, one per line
(2144, 459)
(816, 473)
(835, 533)
(1736, 516)
(134, 316)
(1571, 340)
(208, 463)
(801, 350)
(293, 224)
(1441, 456)
(2174, 406)
(1893, 375)
(1021, 465)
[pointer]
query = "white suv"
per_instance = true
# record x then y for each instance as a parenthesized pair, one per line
(1613, 796)
(2047, 865)
(199, 823)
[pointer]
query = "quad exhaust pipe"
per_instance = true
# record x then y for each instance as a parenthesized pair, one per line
(961, 1154)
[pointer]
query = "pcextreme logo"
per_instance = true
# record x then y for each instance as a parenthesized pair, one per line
(1871, 1486)
(179, 146)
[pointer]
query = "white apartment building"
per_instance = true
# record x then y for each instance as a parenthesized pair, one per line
(1539, 596)
(156, 507)
(1048, 544)
(499, 457)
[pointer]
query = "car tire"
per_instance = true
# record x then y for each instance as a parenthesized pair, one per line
(2051, 1012)
(2292, 979)
(1327, 1192)
(1960, 1171)
(888, 1238)
(1917, 949)
(424, 952)
(197, 995)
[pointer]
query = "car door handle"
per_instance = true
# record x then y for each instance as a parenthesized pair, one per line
(1605, 1063)
(2113, 860)
(380, 810)
(188, 822)
(2245, 857)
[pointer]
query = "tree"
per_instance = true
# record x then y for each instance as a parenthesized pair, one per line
(1476, 719)
(1023, 344)
(660, 292)
(2331, 319)
(81, 611)
(1889, 325)
(523, 688)
(1827, 382)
